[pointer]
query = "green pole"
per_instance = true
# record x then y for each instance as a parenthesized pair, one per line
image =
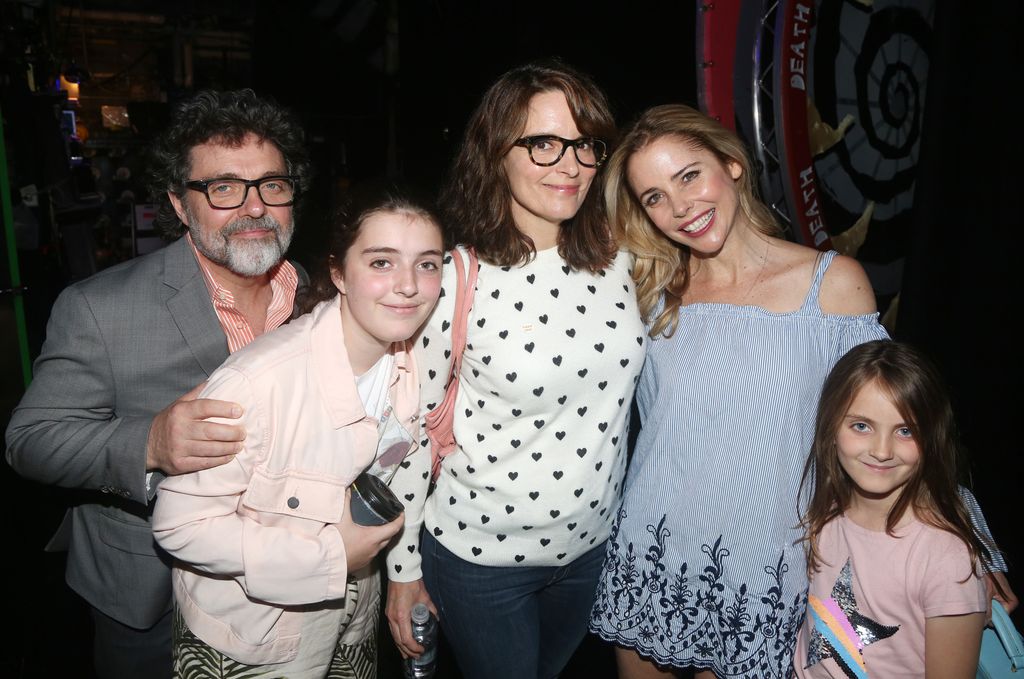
(12, 260)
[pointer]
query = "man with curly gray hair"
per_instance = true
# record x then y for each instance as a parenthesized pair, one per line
(113, 406)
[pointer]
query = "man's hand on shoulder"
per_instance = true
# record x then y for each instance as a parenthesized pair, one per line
(181, 440)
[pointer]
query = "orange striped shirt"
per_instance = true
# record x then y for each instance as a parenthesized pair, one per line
(283, 282)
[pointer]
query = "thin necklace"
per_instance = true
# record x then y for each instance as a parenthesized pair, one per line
(760, 272)
(750, 288)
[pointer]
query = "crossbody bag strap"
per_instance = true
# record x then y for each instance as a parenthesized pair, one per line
(465, 289)
(441, 420)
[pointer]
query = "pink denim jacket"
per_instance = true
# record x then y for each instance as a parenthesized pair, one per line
(255, 537)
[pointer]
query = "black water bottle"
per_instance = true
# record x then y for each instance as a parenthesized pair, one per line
(424, 631)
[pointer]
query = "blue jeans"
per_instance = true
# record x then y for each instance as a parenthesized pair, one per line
(511, 622)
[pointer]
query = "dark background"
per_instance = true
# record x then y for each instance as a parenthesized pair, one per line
(385, 88)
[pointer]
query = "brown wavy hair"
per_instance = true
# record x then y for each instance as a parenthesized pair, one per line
(662, 268)
(477, 198)
(916, 388)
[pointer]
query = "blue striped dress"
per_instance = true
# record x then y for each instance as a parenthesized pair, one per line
(703, 568)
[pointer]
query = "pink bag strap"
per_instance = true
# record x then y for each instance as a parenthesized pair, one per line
(441, 420)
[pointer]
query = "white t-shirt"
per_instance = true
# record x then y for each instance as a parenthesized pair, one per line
(393, 442)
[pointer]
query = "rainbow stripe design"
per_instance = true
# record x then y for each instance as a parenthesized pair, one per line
(840, 631)
(832, 624)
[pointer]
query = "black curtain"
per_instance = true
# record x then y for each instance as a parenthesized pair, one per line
(961, 299)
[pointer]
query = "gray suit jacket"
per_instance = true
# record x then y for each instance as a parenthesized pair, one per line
(120, 347)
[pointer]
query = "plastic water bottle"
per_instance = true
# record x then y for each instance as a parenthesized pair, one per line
(424, 630)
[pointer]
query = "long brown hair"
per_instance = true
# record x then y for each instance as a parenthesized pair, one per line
(662, 267)
(916, 389)
(477, 199)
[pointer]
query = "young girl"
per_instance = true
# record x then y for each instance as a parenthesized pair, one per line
(892, 558)
(272, 575)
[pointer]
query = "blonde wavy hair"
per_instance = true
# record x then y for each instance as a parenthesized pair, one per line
(662, 268)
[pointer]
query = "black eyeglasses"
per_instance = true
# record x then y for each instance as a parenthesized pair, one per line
(228, 194)
(547, 149)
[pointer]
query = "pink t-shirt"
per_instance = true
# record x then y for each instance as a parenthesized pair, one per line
(867, 605)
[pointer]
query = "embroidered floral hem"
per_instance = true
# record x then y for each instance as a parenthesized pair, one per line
(691, 617)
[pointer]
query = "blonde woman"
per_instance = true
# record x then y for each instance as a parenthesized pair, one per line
(703, 569)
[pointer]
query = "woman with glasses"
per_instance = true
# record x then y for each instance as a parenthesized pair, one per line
(513, 535)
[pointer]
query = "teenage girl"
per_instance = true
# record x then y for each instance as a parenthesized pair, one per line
(272, 576)
(895, 587)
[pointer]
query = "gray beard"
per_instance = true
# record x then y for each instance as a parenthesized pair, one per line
(245, 257)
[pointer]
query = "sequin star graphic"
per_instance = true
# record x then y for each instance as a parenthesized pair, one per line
(840, 631)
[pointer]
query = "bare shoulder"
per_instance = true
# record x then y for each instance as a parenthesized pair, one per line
(845, 289)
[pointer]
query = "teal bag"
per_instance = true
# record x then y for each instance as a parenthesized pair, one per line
(1002, 648)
